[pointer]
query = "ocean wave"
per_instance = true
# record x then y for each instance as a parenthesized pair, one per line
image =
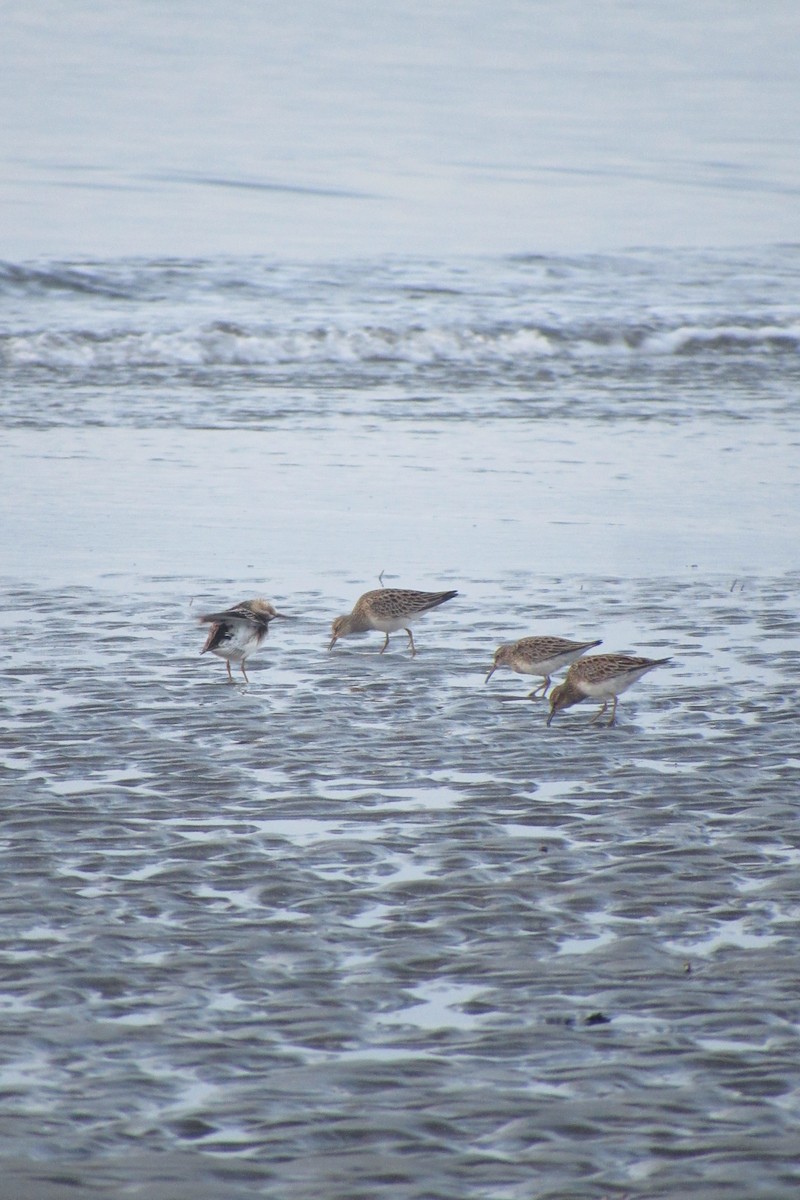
(726, 339)
(60, 277)
(222, 344)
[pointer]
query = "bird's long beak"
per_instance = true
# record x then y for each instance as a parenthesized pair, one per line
(283, 616)
(553, 712)
(491, 673)
(333, 642)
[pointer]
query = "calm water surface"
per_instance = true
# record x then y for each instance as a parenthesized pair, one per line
(327, 129)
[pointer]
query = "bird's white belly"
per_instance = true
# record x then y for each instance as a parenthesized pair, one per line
(543, 666)
(392, 624)
(605, 689)
(241, 643)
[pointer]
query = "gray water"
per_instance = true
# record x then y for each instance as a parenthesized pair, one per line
(497, 298)
(324, 129)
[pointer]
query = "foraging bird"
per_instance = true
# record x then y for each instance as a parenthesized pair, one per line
(538, 656)
(238, 631)
(387, 609)
(600, 677)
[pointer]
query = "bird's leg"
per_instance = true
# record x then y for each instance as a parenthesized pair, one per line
(385, 644)
(244, 672)
(228, 665)
(533, 695)
(599, 714)
(411, 641)
(613, 714)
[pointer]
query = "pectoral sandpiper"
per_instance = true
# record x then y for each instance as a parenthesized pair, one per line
(387, 609)
(600, 677)
(538, 656)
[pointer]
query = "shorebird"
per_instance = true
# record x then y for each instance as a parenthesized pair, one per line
(538, 656)
(601, 677)
(238, 631)
(387, 609)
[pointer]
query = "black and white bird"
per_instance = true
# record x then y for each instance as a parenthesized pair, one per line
(237, 632)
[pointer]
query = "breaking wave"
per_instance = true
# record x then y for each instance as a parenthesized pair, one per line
(227, 344)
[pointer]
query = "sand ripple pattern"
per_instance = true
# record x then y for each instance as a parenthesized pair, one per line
(366, 928)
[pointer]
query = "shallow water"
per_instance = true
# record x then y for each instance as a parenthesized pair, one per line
(368, 925)
(629, 414)
(298, 296)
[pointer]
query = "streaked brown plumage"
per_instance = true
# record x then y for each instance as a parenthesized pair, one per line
(387, 610)
(538, 656)
(600, 677)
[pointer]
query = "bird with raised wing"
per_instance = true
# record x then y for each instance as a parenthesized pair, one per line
(237, 632)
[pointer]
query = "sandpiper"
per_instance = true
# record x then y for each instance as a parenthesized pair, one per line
(238, 631)
(387, 609)
(600, 677)
(538, 656)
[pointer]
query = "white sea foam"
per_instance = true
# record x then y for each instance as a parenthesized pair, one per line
(465, 347)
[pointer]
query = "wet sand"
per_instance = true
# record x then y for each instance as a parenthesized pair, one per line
(349, 497)
(368, 924)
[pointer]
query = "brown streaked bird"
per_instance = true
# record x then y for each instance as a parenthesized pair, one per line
(387, 609)
(538, 656)
(600, 677)
(238, 631)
